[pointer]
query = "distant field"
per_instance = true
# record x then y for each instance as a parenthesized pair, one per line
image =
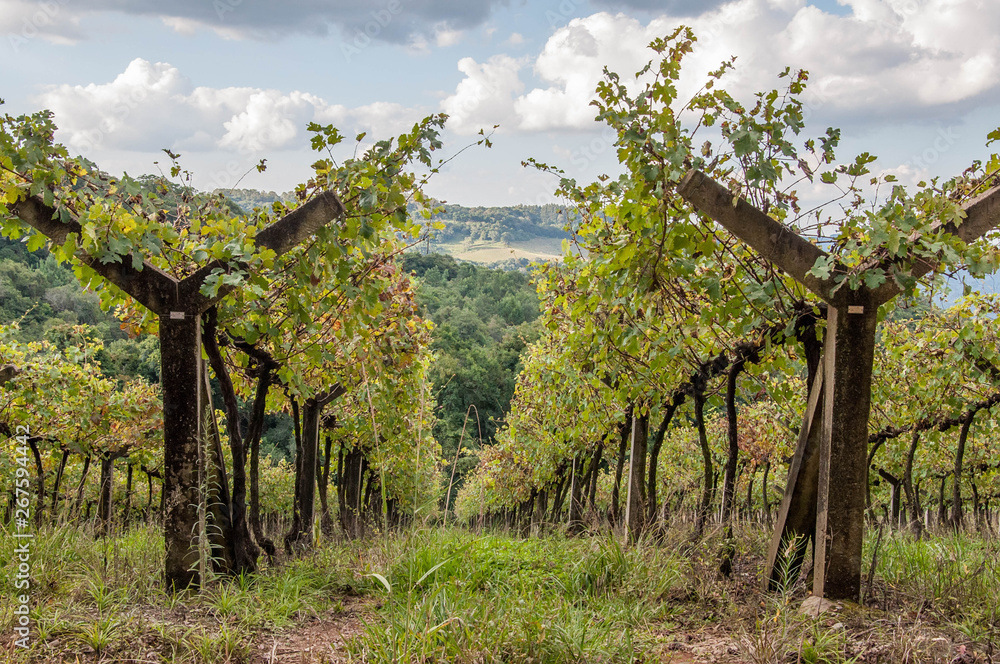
(491, 252)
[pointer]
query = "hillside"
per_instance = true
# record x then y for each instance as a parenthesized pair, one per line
(484, 318)
(506, 237)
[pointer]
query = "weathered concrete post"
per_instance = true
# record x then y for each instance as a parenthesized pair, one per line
(840, 476)
(843, 456)
(179, 304)
(180, 380)
(796, 523)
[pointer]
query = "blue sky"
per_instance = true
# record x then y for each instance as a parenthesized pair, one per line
(228, 82)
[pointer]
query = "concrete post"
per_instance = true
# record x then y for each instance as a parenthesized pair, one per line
(843, 459)
(181, 375)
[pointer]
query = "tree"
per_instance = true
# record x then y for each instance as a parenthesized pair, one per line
(304, 323)
(175, 264)
(71, 409)
(695, 269)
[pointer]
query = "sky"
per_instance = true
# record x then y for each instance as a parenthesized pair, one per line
(226, 83)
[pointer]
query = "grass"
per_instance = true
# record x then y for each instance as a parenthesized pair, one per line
(103, 600)
(947, 573)
(452, 595)
(539, 248)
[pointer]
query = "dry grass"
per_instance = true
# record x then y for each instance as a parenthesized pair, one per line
(462, 597)
(538, 249)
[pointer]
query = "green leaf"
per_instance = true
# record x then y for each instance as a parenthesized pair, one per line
(823, 267)
(433, 569)
(384, 581)
(892, 244)
(874, 278)
(36, 241)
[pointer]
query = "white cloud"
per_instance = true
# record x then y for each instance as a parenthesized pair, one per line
(890, 60)
(886, 67)
(184, 26)
(21, 20)
(417, 44)
(485, 96)
(572, 62)
(141, 107)
(270, 120)
(152, 105)
(380, 119)
(907, 174)
(443, 36)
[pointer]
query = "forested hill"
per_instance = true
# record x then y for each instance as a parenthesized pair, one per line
(501, 224)
(483, 320)
(505, 237)
(483, 317)
(47, 302)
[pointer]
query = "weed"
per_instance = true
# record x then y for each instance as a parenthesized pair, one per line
(228, 601)
(451, 595)
(99, 634)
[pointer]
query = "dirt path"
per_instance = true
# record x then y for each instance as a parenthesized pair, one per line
(323, 640)
(317, 640)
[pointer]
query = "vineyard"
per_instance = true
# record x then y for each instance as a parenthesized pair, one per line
(746, 421)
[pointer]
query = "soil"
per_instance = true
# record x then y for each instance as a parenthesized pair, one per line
(320, 639)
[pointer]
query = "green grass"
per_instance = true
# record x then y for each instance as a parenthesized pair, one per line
(949, 571)
(449, 595)
(459, 598)
(950, 578)
(104, 598)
